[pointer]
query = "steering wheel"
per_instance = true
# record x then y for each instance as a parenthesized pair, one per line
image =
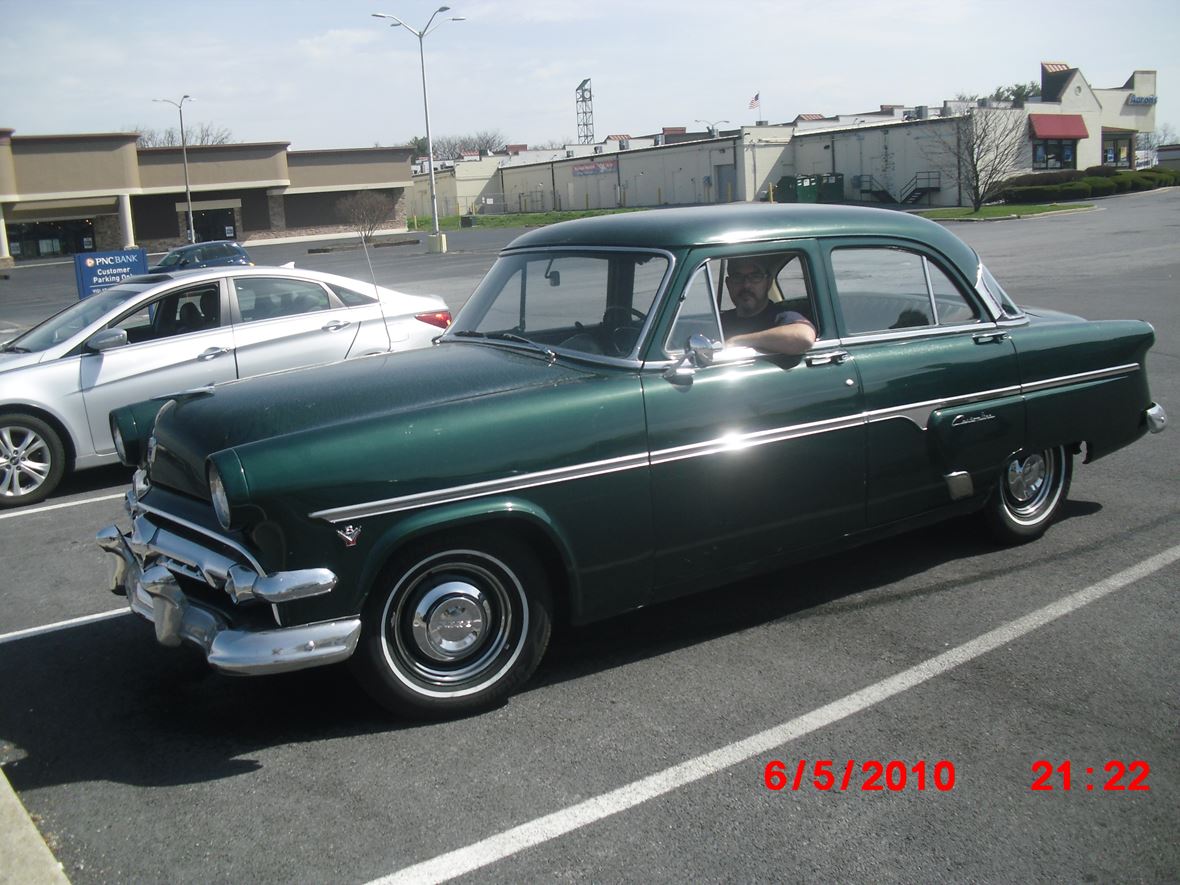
(623, 335)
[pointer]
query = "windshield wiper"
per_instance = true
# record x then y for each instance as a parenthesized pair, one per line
(508, 336)
(12, 348)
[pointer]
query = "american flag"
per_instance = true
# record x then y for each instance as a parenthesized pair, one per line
(754, 102)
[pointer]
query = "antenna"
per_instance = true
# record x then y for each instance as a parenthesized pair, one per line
(585, 107)
(377, 293)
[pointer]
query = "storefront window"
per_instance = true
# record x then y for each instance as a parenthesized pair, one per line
(1053, 153)
(1117, 152)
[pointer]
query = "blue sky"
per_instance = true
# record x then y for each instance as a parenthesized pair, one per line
(325, 74)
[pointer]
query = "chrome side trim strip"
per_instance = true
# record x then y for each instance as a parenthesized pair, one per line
(478, 489)
(1080, 377)
(737, 441)
(917, 413)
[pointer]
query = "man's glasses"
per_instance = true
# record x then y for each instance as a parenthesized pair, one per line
(754, 276)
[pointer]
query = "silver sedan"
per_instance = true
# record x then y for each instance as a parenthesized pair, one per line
(163, 333)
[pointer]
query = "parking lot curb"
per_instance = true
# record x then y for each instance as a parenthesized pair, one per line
(27, 859)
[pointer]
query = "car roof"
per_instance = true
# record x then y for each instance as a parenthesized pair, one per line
(733, 223)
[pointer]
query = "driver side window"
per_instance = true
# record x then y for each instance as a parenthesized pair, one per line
(175, 313)
(697, 314)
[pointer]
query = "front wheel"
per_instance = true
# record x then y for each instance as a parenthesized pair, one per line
(454, 625)
(32, 460)
(1033, 485)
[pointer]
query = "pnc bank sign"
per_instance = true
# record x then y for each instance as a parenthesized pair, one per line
(96, 271)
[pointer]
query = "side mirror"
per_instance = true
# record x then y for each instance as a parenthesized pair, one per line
(107, 339)
(702, 348)
(699, 351)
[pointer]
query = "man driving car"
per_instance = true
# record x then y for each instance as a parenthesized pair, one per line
(756, 321)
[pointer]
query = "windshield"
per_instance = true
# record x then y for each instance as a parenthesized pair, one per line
(171, 258)
(74, 318)
(582, 302)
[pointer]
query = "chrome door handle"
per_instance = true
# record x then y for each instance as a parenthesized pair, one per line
(212, 352)
(828, 358)
(990, 337)
(336, 325)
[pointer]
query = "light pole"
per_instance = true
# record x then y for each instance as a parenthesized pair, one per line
(712, 124)
(188, 194)
(438, 243)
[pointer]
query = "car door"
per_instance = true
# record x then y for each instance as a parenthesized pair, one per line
(176, 342)
(941, 384)
(756, 457)
(284, 322)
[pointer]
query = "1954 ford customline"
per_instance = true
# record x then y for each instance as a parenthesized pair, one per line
(582, 442)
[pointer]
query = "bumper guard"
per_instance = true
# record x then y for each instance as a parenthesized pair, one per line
(153, 592)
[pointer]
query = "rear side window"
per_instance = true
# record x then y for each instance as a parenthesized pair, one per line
(264, 298)
(351, 297)
(882, 289)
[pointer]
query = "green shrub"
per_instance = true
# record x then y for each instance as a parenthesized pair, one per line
(1060, 176)
(1073, 190)
(1032, 194)
(1101, 172)
(1099, 186)
(1122, 182)
(1161, 177)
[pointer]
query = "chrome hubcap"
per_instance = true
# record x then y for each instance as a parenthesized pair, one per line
(24, 461)
(450, 621)
(454, 623)
(1027, 477)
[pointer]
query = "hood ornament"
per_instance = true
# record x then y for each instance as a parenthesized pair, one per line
(349, 534)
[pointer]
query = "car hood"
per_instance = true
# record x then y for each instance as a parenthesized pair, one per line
(12, 361)
(276, 405)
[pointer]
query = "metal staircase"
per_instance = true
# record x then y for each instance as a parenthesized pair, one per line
(919, 186)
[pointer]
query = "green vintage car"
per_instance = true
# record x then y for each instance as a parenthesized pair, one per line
(582, 442)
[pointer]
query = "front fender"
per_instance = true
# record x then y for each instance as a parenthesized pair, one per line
(498, 511)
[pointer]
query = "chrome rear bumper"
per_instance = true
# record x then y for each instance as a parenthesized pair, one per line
(153, 592)
(1157, 418)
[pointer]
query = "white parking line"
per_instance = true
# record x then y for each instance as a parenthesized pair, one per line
(61, 625)
(29, 511)
(551, 826)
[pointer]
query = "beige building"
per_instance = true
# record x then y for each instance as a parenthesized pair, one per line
(893, 155)
(62, 194)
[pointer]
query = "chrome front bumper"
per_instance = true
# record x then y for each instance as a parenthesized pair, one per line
(1157, 418)
(144, 560)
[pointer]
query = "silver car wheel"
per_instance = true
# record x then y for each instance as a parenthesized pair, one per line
(31, 460)
(1033, 485)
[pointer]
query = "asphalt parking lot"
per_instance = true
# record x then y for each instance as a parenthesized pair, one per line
(642, 749)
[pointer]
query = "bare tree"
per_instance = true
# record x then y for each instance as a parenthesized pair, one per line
(553, 144)
(365, 211)
(1150, 141)
(452, 147)
(980, 148)
(198, 134)
(1017, 92)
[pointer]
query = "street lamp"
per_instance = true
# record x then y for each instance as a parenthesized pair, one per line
(188, 194)
(712, 124)
(438, 243)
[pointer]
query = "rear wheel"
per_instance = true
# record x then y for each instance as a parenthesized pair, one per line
(32, 460)
(1033, 485)
(454, 625)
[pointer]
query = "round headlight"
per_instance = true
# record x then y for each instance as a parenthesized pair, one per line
(220, 499)
(120, 448)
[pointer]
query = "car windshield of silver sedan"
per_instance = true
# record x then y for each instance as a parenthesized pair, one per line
(74, 318)
(581, 302)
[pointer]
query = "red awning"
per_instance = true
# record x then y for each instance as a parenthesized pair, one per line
(1058, 126)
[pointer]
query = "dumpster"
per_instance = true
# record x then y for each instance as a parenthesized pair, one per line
(831, 188)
